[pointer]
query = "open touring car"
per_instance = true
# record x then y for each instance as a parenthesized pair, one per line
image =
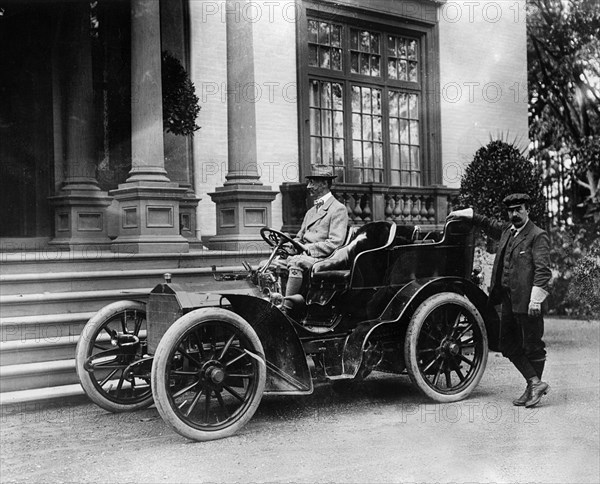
(388, 300)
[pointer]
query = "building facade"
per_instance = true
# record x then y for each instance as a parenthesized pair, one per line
(99, 197)
(396, 96)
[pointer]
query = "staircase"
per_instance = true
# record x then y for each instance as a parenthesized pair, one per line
(46, 299)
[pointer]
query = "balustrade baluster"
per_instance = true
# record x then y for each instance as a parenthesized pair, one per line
(357, 211)
(431, 210)
(414, 213)
(389, 210)
(367, 214)
(423, 213)
(397, 213)
(406, 208)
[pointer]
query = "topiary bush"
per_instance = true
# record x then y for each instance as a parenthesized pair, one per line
(180, 103)
(497, 170)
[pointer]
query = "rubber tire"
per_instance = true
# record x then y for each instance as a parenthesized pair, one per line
(412, 335)
(160, 385)
(82, 352)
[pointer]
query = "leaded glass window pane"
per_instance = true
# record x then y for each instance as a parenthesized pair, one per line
(403, 58)
(326, 123)
(324, 45)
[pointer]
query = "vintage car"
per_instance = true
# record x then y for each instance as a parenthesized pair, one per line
(389, 300)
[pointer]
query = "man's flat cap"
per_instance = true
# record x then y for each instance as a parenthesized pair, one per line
(321, 171)
(516, 199)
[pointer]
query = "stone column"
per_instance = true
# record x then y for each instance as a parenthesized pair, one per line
(243, 202)
(80, 205)
(178, 149)
(148, 200)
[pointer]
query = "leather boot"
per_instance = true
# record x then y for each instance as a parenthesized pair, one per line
(522, 400)
(538, 390)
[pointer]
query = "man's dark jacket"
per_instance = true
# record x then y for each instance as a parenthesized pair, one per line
(529, 260)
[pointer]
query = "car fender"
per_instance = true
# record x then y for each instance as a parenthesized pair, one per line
(405, 302)
(287, 367)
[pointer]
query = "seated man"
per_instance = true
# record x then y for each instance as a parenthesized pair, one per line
(323, 229)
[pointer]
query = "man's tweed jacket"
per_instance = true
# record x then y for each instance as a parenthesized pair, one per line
(325, 230)
(528, 263)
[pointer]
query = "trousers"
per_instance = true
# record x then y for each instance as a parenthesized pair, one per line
(521, 339)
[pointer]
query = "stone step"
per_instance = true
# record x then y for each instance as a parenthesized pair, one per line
(40, 262)
(37, 350)
(56, 282)
(34, 399)
(65, 302)
(47, 327)
(37, 375)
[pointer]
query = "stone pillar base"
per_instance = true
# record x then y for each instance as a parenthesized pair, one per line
(187, 219)
(80, 219)
(149, 218)
(242, 210)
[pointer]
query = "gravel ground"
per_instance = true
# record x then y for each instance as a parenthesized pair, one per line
(384, 432)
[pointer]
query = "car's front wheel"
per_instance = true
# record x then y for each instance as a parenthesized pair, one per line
(446, 347)
(208, 374)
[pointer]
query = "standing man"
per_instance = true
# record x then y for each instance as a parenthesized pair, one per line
(520, 280)
(323, 229)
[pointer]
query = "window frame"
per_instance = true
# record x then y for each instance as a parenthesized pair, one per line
(384, 23)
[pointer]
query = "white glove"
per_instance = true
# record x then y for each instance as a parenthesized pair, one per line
(538, 295)
(466, 213)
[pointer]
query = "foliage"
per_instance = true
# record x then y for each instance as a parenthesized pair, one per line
(180, 103)
(588, 168)
(568, 245)
(497, 170)
(584, 290)
(563, 43)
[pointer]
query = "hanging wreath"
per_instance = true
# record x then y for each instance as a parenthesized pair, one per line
(180, 103)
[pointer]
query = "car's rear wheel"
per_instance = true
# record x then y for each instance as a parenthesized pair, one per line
(110, 358)
(446, 347)
(208, 374)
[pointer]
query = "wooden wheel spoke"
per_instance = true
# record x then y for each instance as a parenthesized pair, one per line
(199, 342)
(183, 373)
(438, 373)
(222, 404)
(189, 357)
(448, 379)
(234, 393)
(466, 360)
(185, 389)
(207, 405)
(456, 324)
(248, 376)
(226, 347)
(194, 403)
(237, 358)
(431, 363)
(110, 375)
(467, 328)
(430, 336)
(460, 374)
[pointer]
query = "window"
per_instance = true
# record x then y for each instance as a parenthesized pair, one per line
(366, 106)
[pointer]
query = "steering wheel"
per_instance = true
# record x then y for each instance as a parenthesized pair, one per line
(275, 238)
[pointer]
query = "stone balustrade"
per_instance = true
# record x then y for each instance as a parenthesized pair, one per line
(425, 206)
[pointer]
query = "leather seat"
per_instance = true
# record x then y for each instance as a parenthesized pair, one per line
(337, 268)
